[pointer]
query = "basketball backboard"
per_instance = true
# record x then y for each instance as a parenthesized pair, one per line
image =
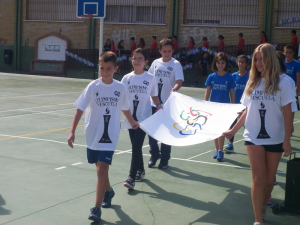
(96, 8)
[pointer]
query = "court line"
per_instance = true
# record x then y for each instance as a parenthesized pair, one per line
(212, 150)
(35, 107)
(41, 132)
(47, 103)
(30, 114)
(188, 160)
(75, 164)
(59, 168)
(23, 96)
(70, 115)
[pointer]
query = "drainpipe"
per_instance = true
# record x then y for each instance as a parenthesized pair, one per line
(91, 34)
(18, 34)
(268, 18)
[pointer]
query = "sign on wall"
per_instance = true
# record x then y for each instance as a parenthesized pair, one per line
(51, 48)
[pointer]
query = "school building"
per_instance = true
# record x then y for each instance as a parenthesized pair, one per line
(24, 23)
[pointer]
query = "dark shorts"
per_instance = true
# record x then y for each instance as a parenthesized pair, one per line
(269, 148)
(93, 156)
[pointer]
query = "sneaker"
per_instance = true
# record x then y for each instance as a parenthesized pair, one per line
(220, 156)
(215, 154)
(269, 202)
(152, 161)
(229, 148)
(108, 195)
(163, 164)
(140, 175)
(95, 214)
(258, 223)
(129, 183)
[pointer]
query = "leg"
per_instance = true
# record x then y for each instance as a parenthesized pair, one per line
(256, 155)
(217, 144)
(154, 149)
(165, 152)
(102, 174)
(221, 141)
(272, 160)
(137, 144)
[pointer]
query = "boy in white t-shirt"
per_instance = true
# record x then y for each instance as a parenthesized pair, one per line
(102, 100)
(169, 77)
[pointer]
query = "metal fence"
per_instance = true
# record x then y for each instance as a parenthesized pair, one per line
(125, 66)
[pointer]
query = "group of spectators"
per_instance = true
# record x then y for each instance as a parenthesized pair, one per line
(153, 52)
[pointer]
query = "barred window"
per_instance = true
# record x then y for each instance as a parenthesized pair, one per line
(51, 10)
(221, 13)
(288, 13)
(136, 11)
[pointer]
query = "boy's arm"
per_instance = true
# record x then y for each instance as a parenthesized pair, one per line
(288, 126)
(76, 119)
(232, 96)
(177, 85)
(130, 119)
(156, 102)
(298, 83)
(207, 93)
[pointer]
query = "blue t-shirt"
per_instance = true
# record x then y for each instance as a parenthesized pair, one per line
(220, 87)
(292, 68)
(240, 82)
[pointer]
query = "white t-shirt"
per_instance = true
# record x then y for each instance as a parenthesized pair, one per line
(294, 107)
(102, 104)
(139, 89)
(166, 74)
(264, 123)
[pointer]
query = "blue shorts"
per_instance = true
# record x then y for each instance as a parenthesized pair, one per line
(93, 156)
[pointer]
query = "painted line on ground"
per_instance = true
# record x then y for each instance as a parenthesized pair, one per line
(211, 150)
(47, 103)
(60, 168)
(129, 151)
(75, 164)
(41, 132)
(24, 96)
(35, 107)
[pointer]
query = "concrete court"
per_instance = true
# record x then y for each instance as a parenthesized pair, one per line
(43, 181)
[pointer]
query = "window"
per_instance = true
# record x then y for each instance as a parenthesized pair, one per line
(221, 13)
(288, 13)
(136, 11)
(51, 10)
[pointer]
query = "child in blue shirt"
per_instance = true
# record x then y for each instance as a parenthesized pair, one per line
(220, 88)
(292, 66)
(241, 78)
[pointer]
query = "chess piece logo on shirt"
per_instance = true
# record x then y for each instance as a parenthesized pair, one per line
(262, 113)
(170, 68)
(160, 86)
(105, 137)
(135, 106)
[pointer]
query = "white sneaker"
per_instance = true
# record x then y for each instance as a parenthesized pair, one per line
(258, 223)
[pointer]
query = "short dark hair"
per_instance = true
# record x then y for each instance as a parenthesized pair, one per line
(204, 39)
(221, 37)
(246, 59)
(241, 34)
(281, 58)
(293, 31)
(154, 37)
(217, 58)
(142, 51)
(132, 38)
(175, 36)
(291, 47)
(108, 57)
(164, 42)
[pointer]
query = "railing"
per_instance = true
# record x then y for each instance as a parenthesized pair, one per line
(73, 66)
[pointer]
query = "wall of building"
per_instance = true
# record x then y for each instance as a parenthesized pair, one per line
(7, 22)
(281, 35)
(251, 35)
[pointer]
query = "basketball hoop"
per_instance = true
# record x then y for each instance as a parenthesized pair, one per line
(88, 16)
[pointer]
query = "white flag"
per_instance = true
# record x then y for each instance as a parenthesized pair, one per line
(188, 121)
